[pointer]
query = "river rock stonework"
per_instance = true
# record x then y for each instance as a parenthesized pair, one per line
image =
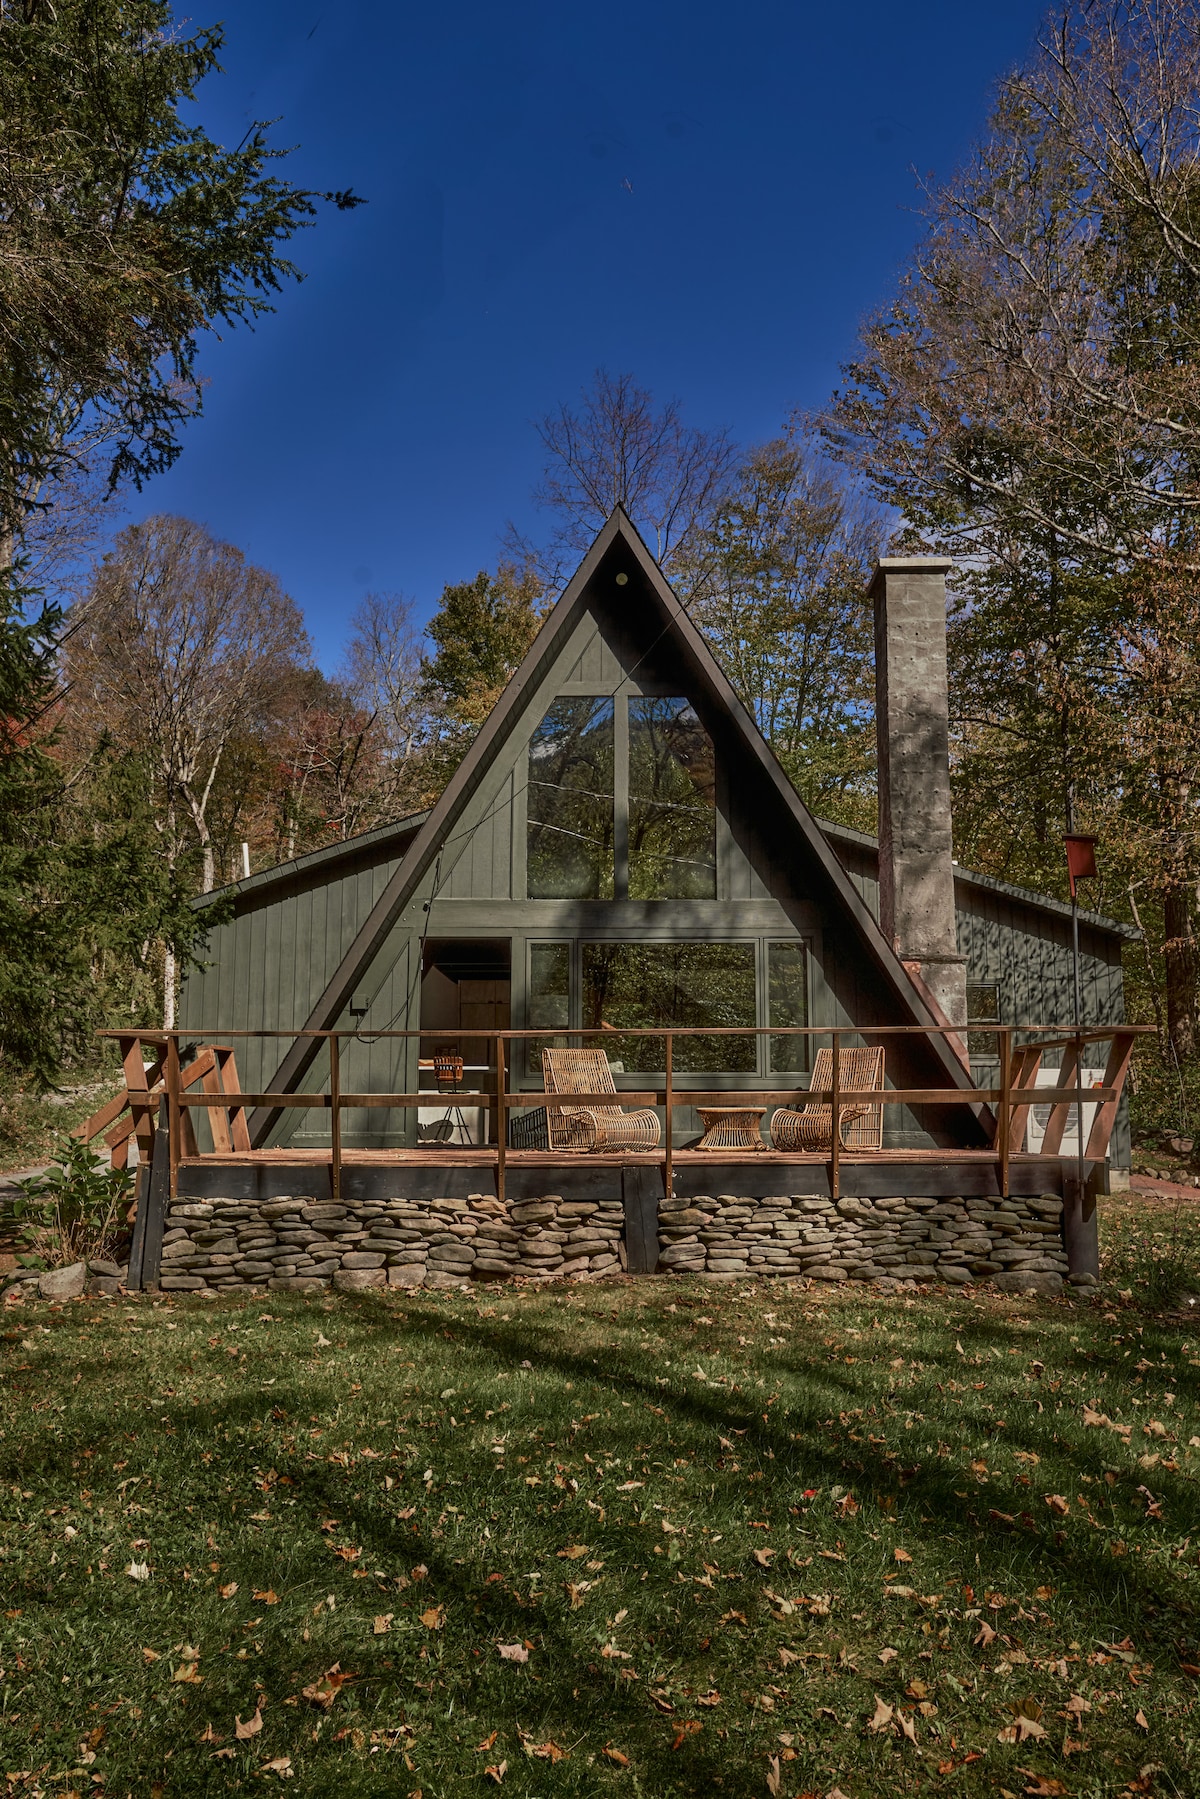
(220, 1245)
(1013, 1242)
(301, 1243)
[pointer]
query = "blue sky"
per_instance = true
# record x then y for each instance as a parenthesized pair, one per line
(709, 197)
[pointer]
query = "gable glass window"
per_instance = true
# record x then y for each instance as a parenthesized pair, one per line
(647, 984)
(570, 802)
(787, 1003)
(672, 803)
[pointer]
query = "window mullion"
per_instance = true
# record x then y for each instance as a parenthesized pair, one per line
(621, 797)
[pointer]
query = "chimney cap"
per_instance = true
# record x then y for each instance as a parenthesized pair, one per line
(908, 565)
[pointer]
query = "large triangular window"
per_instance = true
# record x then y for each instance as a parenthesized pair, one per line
(621, 801)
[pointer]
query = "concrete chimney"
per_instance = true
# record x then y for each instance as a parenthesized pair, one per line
(916, 876)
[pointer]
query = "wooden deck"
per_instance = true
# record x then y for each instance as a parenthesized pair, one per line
(455, 1172)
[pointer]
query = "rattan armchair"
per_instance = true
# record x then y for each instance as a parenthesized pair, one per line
(569, 1071)
(860, 1123)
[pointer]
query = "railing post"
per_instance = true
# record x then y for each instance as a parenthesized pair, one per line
(173, 1110)
(668, 1154)
(835, 1118)
(335, 1118)
(1005, 1104)
(501, 1118)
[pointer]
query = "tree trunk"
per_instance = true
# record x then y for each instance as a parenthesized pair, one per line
(170, 984)
(1179, 958)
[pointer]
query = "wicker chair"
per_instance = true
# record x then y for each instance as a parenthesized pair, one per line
(568, 1071)
(860, 1124)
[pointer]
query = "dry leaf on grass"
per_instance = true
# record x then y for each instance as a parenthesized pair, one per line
(572, 1552)
(1021, 1730)
(901, 1555)
(496, 1771)
(434, 1618)
(513, 1652)
(489, 1742)
(1058, 1505)
(250, 1728)
(151, 1655)
(281, 1765)
(774, 1777)
(138, 1570)
(888, 1655)
(764, 1557)
(186, 1674)
(615, 1755)
(228, 1591)
(1042, 1786)
(267, 1596)
(883, 1716)
(325, 1690)
(1141, 1720)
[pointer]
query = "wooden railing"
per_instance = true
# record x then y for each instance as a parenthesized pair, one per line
(208, 1081)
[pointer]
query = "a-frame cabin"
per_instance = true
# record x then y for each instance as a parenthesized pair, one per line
(619, 848)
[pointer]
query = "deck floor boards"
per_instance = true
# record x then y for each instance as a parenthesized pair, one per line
(463, 1157)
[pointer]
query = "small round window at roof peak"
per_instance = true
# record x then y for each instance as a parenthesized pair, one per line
(622, 579)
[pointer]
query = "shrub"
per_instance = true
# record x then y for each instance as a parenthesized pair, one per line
(74, 1210)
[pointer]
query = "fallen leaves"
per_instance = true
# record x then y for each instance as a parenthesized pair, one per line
(281, 1765)
(244, 1731)
(1026, 1723)
(228, 1591)
(382, 1623)
(323, 1691)
(266, 1595)
(1096, 1420)
(434, 1618)
(1057, 1504)
(616, 1756)
(901, 1555)
(573, 1552)
(892, 1719)
(512, 1652)
(888, 1655)
(495, 1771)
(688, 1727)
(138, 1570)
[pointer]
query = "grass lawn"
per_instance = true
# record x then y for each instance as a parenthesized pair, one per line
(643, 1538)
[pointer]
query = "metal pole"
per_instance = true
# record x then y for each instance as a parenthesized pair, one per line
(1078, 1042)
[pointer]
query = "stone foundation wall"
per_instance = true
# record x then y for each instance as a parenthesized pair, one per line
(1016, 1243)
(300, 1243)
(304, 1243)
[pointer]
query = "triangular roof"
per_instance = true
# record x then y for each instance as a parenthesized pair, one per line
(705, 672)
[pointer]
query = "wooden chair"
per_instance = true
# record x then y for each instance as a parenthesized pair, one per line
(860, 1124)
(568, 1071)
